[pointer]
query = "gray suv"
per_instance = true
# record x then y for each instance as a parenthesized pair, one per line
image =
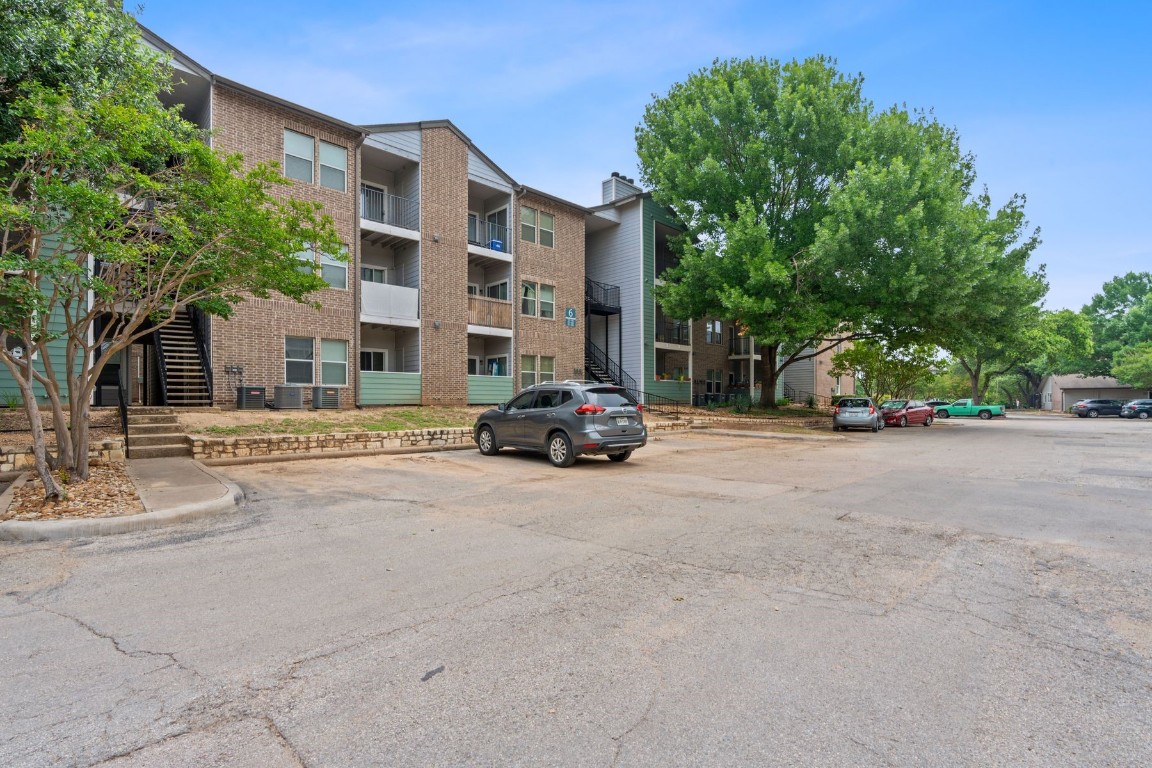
(563, 420)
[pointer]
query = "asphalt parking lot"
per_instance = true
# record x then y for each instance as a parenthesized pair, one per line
(973, 593)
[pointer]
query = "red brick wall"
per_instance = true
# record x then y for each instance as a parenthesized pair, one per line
(443, 268)
(561, 266)
(254, 336)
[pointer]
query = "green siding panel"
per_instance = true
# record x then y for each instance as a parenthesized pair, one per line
(57, 350)
(488, 390)
(378, 388)
(680, 391)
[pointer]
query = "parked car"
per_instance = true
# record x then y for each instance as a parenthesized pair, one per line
(1092, 408)
(934, 403)
(967, 407)
(858, 413)
(901, 413)
(1136, 409)
(565, 419)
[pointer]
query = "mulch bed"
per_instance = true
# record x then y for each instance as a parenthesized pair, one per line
(108, 492)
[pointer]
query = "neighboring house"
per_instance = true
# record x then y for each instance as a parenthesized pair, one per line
(811, 377)
(1059, 393)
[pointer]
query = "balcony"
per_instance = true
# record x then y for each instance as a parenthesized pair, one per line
(674, 333)
(389, 304)
(490, 313)
(601, 298)
(382, 208)
(741, 346)
(487, 234)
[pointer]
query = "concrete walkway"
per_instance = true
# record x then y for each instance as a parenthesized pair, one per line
(173, 490)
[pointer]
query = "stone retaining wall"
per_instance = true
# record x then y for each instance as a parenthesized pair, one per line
(13, 460)
(239, 448)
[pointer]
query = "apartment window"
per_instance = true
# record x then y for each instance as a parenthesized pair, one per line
(536, 370)
(335, 271)
(307, 261)
(473, 289)
(299, 152)
(374, 275)
(713, 332)
(497, 290)
(374, 360)
(547, 301)
(537, 227)
(333, 166)
(333, 362)
(498, 366)
(299, 357)
(538, 300)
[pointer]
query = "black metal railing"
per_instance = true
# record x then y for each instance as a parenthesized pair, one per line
(601, 294)
(201, 330)
(806, 398)
(672, 332)
(161, 367)
(488, 234)
(658, 403)
(594, 357)
(740, 345)
(377, 205)
(122, 407)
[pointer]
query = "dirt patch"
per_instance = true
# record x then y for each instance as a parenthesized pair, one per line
(108, 492)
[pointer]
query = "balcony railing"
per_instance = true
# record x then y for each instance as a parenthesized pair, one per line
(389, 301)
(673, 333)
(376, 205)
(601, 295)
(741, 345)
(487, 234)
(494, 313)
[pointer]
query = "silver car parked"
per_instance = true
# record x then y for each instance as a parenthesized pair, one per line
(565, 419)
(857, 413)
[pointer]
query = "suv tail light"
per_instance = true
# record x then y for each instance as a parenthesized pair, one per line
(588, 409)
(639, 407)
(836, 410)
(871, 409)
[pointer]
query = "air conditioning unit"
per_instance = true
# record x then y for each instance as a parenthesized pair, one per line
(325, 397)
(287, 396)
(251, 398)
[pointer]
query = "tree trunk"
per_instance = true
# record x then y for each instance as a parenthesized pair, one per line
(79, 438)
(769, 354)
(39, 440)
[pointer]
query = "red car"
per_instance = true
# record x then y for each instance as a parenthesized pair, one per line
(901, 413)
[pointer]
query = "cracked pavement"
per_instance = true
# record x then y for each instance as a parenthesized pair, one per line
(969, 594)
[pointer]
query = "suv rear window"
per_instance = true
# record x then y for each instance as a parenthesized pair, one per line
(609, 397)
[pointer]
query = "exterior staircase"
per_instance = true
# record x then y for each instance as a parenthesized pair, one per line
(154, 433)
(185, 381)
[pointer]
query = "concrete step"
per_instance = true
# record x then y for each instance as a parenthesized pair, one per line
(169, 418)
(153, 429)
(163, 438)
(158, 451)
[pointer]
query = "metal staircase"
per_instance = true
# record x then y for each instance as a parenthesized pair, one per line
(182, 370)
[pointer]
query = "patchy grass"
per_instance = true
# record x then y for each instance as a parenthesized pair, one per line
(390, 420)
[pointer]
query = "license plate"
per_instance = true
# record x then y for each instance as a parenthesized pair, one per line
(621, 421)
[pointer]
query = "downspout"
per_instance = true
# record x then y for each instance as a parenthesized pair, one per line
(356, 288)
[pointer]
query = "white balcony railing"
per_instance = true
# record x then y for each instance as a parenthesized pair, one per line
(389, 302)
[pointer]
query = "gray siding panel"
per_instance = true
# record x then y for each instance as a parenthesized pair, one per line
(480, 171)
(403, 143)
(616, 256)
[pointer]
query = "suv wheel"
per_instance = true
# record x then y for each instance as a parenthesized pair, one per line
(560, 450)
(486, 441)
(1093, 413)
(1142, 415)
(620, 456)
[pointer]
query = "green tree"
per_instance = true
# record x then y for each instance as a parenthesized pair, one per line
(1121, 317)
(810, 218)
(115, 215)
(881, 371)
(1133, 365)
(1060, 339)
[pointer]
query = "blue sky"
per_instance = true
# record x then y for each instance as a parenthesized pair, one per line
(1053, 98)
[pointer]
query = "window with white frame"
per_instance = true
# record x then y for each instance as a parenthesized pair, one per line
(537, 227)
(333, 166)
(536, 369)
(713, 332)
(307, 259)
(334, 362)
(538, 300)
(375, 360)
(497, 290)
(497, 366)
(335, 271)
(299, 359)
(299, 155)
(374, 274)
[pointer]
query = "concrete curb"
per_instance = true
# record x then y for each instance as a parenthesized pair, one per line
(279, 457)
(52, 530)
(767, 435)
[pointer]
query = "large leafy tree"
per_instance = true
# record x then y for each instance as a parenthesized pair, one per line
(810, 217)
(1133, 365)
(1121, 318)
(881, 371)
(115, 215)
(1059, 340)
